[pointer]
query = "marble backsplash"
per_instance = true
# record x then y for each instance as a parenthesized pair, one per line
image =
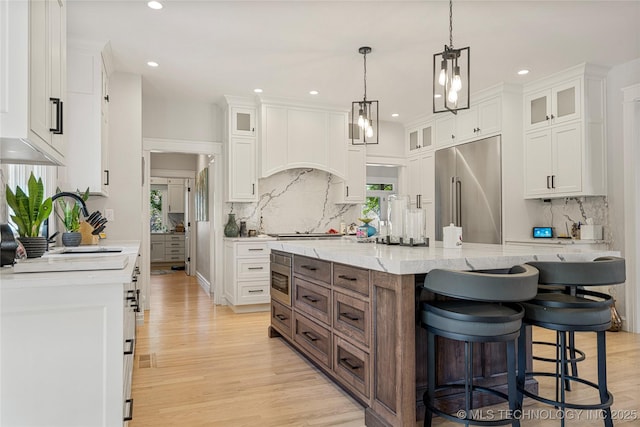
(563, 213)
(303, 200)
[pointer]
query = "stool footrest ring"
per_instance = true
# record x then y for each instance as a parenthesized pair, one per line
(582, 356)
(568, 405)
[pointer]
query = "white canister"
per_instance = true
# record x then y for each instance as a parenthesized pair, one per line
(451, 237)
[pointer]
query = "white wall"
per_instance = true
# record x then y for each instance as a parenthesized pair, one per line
(390, 146)
(174, 161)
(181, 120)
(125, 166)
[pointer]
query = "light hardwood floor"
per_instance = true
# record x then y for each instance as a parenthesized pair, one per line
(198, 364)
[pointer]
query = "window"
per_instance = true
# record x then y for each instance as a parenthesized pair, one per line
(18, 175)
(376, 200)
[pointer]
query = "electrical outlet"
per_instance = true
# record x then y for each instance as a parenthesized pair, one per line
(108, 214)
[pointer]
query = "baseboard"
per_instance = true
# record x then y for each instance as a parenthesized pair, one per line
(204, 283)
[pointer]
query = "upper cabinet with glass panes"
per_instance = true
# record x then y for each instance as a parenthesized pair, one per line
(420, 137)
(243, 121)
(557, 104)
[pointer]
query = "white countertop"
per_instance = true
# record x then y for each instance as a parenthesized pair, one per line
(9, 279)
(259, 238)
(416, 260)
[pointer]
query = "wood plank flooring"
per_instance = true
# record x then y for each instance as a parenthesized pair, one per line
(198, 364)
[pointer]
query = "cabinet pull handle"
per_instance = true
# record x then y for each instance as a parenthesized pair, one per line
(253, 189)
(309, 336)
(548, 185)
(347, 191)
(453, 136)
(256, 249)
(58, 104)
(351, 365)
(352, 279)
(106, 98)
(350, 316)
(308, 267)
(553, 181)
(106, 171)
(255, 268)
(553, 117)
(132, 344)
(129, 417)
(547, 117)
(310, 298)
(256, 291)
(281, 317)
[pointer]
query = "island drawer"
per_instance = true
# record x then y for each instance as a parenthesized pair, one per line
(314, 339)
(351, 366)
(352, 278)
(313, 268)
(314, 300)
(351, 317)
(281, 318)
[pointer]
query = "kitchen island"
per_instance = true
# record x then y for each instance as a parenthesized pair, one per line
(68, 338)
(352, 312)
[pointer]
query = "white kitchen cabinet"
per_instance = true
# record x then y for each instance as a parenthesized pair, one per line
(353, 188)
(167, 247)
(68, 343)
(553, 161)
(242, 170)
(565, 155)
(175, 195)
(241, 162)
(445, 130)
(243, 121)
(554, 105)
(420, 137)
(300, 136)
(35, 66)
(157, 247)
(481, 120)
(88, 118)
(421, 177)
(247, 274)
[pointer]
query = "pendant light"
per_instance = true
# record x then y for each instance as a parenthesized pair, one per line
(364, 113)
(451, 72)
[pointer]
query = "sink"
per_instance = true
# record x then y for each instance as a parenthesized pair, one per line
(87, 250)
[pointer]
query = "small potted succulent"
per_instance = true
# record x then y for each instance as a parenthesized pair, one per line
(29, 212)
(70, 218)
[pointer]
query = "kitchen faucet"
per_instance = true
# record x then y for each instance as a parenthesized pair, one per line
(83, 208)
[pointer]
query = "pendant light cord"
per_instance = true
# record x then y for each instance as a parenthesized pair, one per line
(450, 24)
(365, 76)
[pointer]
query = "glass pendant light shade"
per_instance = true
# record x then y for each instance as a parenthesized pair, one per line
(364, 113)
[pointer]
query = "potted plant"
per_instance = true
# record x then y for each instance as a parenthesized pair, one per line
(70, 218)
(30, 210)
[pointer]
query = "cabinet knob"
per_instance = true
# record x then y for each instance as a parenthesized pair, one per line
(453, 136)
(553, 117)
(547, 117)
(106, 98)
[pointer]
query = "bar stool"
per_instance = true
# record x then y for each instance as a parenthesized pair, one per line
(573, 310)
(484, 309)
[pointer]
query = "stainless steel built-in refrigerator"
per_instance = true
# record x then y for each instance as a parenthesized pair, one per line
(468, 190)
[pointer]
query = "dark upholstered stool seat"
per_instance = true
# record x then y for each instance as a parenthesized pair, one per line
(573, 309)
(484, 309)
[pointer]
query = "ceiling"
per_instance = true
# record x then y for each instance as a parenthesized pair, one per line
(209, 48)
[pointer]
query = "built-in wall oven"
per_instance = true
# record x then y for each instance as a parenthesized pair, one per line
(281, 277)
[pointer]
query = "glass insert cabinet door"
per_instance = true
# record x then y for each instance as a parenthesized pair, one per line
(558, 104)
(243, 121)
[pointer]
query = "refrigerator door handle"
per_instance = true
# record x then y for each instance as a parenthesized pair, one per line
(459, 202)
(452, 201)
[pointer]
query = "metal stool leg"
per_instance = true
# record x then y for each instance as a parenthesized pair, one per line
(512, 382)
(602, 376)
(429, 397)
(563, 374)
(522, 364)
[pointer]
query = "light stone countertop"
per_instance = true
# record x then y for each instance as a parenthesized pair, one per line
(417, 260)
(9, 279)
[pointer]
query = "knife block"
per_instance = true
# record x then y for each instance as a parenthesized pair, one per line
(87, 237)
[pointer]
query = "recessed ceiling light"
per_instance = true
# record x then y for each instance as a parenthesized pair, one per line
(395, 115)
(313, 92)
(437, 95)
(152, 64)
(523, 72)
(257, 90)
(155, 5)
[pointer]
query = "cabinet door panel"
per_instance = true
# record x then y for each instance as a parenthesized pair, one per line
(466, 124)
(445, 131)
(337, 143)
(489, 117)
(566, 100)
(537, 109)
(567, 159)
(538, 163)
(243, 121)
(242, 170)
(39, 104)
(274, 140)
